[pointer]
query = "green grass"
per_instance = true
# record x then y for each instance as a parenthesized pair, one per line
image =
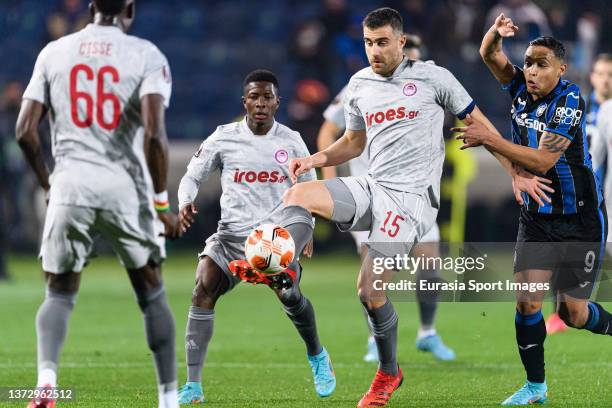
(256, 358)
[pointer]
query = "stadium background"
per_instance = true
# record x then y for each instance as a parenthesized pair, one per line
(314, 47)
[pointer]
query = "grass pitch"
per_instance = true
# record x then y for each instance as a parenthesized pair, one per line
(256, 358)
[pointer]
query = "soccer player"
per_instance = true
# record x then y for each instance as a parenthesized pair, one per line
(252, 156)
(105, 92)
(427, 338)
(566, 235)
(601, 80)
(394, 110)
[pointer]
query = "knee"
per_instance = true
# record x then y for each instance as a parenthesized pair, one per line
(528, 308)
(289, 297)
(573, 316)
(67, 283)
(203, 296)
(296, 195)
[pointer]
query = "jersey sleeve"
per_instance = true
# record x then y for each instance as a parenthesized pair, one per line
(451, 94)
(204, 162)
(566, 115)
(157, 78)
(335, 111)
(38, 87)
(517, 84)
(352, 114)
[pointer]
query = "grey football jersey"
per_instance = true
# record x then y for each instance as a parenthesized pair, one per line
(403, 116)
(92, 82)
(254, 173)
(335, 114)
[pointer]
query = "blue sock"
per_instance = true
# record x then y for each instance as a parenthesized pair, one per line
(530, 336)
(599, 321)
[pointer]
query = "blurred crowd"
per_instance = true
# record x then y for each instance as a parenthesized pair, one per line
(314, 46)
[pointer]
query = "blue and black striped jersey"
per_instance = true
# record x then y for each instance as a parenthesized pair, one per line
(563, 112)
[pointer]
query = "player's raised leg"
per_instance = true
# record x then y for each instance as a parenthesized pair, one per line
(301, 313)
(210, 284)
(159, 328)
(302, 201)
(530, 336)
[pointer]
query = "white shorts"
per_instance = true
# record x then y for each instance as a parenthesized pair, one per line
(433, 235)
(396, 220)
(69, 233)
(223, 249)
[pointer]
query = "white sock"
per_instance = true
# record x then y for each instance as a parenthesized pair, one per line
(168, 399)
(46, 376)
(430, 331)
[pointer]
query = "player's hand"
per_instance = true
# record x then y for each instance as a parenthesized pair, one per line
(186, 216)
(172, 228)
(535, 186)
(308, 249)
(474, 134)
(299, 166)
(504, 26)
(47, 195)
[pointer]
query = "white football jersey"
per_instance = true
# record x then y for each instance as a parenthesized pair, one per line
(254, 173)
(92, 82)
(403, 116)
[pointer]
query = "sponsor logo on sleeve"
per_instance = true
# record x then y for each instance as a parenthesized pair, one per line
(567, 116)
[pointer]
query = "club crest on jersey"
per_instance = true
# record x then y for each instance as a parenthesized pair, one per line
(541, 110)
(281, 156)
(409, 89)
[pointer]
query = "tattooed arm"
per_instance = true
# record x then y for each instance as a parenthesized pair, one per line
(540, 160)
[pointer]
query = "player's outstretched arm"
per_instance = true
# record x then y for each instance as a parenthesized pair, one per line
(28, 139)
(540, 160)
(491, 49)
(349, 146)
(327, 136)
(156, 153)
(478, 133)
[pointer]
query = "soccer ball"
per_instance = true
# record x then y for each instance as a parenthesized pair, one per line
(269, 248)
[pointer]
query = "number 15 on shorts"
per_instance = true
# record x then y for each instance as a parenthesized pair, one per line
(391, 226)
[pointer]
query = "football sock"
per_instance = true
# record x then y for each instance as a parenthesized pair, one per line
(168, 396)
(383, 321)
(51, 328)
(600, 320)
(298, 221)
(303, 317)
(530, 336)
(160, 332)
(428, 300)
(199, 331)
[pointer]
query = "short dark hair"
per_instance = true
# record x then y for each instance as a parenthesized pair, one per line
(382, 17)
(552, 44)
(603, 57)
(261, 75)
(110, 7)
